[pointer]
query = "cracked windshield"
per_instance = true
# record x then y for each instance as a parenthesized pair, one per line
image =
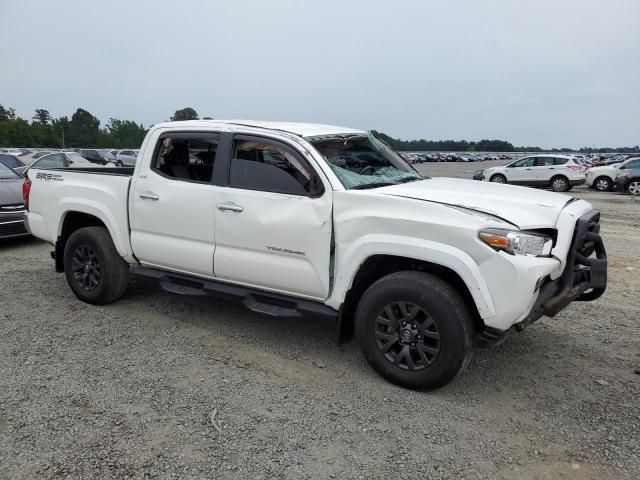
(362, 162)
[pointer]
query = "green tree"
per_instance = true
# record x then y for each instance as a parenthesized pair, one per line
(7, 113)
(42, 116)
(186, 113)
(124, 133)
(84, 130)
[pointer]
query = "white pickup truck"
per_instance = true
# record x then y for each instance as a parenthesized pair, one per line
(297, 219)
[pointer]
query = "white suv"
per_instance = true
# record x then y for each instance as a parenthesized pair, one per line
(602, 178)
(560, 172)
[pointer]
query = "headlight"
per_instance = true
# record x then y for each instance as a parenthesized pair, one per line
(517, 243)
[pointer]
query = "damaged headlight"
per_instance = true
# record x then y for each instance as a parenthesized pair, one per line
(517, 243)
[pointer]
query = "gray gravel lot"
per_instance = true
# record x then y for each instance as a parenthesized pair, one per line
(162, 386)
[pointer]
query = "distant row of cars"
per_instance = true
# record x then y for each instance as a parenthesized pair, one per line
(563, 172)
(15, 164)
(452, 157)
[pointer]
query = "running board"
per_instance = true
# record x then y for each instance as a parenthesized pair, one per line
(259, 301)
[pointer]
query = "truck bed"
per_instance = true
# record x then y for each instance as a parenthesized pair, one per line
(100, 192)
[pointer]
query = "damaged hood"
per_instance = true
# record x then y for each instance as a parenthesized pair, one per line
(524, 207)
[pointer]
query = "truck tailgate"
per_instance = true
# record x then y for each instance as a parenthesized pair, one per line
(97, 192)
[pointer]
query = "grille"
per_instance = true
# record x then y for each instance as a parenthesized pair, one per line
(10, 229)
(588, 247)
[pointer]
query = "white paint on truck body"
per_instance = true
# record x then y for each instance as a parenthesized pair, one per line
(283, 243)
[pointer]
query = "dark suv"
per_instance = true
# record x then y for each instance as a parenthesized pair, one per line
(101, 157)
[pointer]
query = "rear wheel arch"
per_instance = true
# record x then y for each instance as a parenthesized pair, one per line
(72, 221)
(378, 266)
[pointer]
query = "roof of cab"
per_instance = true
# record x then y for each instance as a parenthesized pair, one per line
(296, 128)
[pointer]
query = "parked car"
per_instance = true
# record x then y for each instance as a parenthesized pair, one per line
(628, 181)
(560, 172)
(11, 204)
(29, 158)
(100, 157)
(61, 160)
(125, 158)
(12, 161)
(418, 266)
(603, 178)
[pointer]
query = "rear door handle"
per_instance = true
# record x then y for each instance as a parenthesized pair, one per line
(232, 207)
(149, 196)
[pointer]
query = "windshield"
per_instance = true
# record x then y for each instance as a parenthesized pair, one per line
(363, 161)
(7, 173)
(106, 155)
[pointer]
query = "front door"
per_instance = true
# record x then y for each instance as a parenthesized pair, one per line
(172, 203)
(520, 171)
(273, 220)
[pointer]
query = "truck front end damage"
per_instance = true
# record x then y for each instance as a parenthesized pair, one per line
(584, 278)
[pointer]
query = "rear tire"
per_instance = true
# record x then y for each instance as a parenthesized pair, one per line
(560, 183)
(434, 344)
(602, 184)
(95, 271)
(119, 164)
(498, 178)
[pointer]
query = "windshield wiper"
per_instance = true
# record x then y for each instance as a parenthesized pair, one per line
(373, 185)
(409, 179)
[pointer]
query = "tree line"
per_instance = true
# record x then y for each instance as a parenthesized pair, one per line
(83, 130)
(485, 145)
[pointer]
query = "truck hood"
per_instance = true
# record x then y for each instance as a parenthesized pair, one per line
(525, 208)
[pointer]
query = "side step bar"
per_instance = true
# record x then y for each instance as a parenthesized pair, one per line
(257, 300)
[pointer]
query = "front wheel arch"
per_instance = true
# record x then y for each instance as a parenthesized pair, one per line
(378, 266)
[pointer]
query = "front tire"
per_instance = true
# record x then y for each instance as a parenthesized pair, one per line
(602, 184)
(415, 330)
(634, 187)
(119, 164)
(498, 178)
(95, 271)
(560, 184)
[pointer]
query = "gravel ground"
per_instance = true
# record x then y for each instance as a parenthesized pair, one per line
(162, 386)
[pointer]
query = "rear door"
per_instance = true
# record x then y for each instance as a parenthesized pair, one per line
(544, 168)
(172, 203)
(273, 220)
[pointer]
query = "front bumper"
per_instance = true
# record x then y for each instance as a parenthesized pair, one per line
(575, 183)
(584, 278)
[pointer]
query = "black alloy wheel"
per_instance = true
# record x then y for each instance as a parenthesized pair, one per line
(86, 268)
(407, 336)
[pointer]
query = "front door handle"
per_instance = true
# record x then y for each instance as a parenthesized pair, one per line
(232, 207)
(149, 196)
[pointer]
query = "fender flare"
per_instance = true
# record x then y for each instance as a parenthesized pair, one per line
(413, 248)
(92, 208)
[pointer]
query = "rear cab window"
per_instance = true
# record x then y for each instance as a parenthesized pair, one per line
(187, 157)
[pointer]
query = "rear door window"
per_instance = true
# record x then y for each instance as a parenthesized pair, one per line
(186, 156)
(544, 161)
(560, 161)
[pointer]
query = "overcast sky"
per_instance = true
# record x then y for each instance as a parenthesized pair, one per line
(545, 72)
